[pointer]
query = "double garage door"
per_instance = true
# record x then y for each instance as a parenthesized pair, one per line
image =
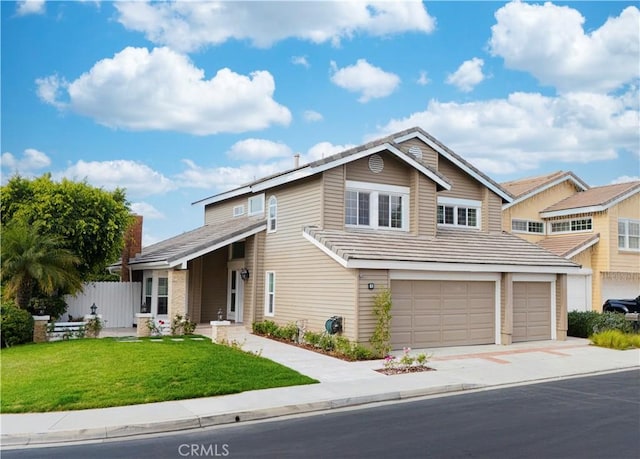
(453, 313)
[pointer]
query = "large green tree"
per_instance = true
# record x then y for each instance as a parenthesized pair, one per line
(90, 221)
(34, 263)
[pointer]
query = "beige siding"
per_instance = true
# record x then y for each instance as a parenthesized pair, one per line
(223, 211)
(310, 285)
(395, 172)
(254, 286)
(561, 307)
(584, 257)
(429, 155)
(195, 289)
(214, 285)
(366, 319)
(333, 198)
(462, 185)
(423, 196)
(623, 261)
(491, 212)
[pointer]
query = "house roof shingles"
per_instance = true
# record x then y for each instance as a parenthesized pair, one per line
(569, 244)
(448, 246)
(596, 196)
(197, 240)
(528, 185)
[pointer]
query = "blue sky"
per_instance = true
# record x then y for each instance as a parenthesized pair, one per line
(177, 101)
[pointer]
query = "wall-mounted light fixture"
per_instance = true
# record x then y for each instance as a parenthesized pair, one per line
(93, 309)
(244, 274)
(371, 285)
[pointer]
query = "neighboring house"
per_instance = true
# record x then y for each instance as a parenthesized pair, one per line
(403, 213)
(598, 228)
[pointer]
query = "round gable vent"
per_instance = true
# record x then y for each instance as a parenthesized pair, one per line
(376, 164)
(416, 152)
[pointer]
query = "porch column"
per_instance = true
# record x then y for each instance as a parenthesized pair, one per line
(561, 307)
(506, 331)
(178, 292)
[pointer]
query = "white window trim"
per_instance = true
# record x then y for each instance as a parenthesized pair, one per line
(374, 190)
(238, 210)
(154, 275)
(267, 294)
(527, 222)
(550, 226)
(626, 247)
(455, 203)
(260, 198)
(273, 202)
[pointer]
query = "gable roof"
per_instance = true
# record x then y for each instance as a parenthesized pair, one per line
(569, 245)
(178, 250)
(527, 187)
(596, 199)
(389, 143)
(449, 250)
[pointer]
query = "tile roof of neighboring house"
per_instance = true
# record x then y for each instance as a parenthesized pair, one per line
(569, 245)
(189, 245)
(449, 246)
(595, 199)
(391, 141)
(526, 187)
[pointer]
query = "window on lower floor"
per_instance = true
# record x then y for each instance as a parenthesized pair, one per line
(270, 293)
(628, 234)
(163, 295)
(569, 226)
(527, 226)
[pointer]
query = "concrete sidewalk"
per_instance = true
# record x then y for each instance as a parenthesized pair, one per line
(342, 384)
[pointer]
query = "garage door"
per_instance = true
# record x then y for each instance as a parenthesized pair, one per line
(619, 288)
(531, 311)
(442, 313)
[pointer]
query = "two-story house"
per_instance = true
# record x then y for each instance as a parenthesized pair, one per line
(596, 227)
(403, 213)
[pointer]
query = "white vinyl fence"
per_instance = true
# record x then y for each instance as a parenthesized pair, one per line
(117, 302)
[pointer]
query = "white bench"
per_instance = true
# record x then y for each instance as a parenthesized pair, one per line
(65, 330)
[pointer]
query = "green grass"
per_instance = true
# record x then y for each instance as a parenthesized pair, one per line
(99, 373)
(615, 339)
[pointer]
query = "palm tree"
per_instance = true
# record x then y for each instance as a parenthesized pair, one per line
(34, 262)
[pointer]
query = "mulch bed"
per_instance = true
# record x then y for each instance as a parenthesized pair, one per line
(401, 371)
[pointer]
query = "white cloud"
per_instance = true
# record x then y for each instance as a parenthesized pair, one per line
(300, 60)
(372, 82)
(527, 129)
(224, 178)
(147, 211)
(423, 79)
(50, 90)
(625, 179)
(322, 150)
(25, 7)
(188, 26)
(550, 42)
(32, 160)
(138, 179)
(258, 150)
(312, 116)
(163, 90)
(468, 75)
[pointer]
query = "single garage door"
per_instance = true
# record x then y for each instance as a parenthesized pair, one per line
(442, 313)
(531, 311)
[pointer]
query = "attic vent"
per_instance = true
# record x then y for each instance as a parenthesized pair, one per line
(376, 164)
(416, 152)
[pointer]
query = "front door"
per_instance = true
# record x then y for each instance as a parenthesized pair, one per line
(235, 296)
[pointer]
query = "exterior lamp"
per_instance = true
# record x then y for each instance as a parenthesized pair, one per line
(93, 309)
(244, 274)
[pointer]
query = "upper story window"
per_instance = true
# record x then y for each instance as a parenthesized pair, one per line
(527, 226)
(628, 234)
(459, 212)
(272, 220)
(376, 206)
(238, 210)
(570, 226)
(256, 204)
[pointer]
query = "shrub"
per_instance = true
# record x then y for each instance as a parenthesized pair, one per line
(266, 327)
(53, 306)
(16, 325)
(612, 321)
(580, 323)
(312, 338)
(615, 339)
(289, 332)
(326, 343)
(381, 338)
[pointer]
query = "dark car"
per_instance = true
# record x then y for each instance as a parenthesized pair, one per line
(623, 306)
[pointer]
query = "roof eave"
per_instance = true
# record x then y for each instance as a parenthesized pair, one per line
(570, 177)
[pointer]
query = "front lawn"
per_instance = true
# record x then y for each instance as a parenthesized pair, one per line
(99, 373)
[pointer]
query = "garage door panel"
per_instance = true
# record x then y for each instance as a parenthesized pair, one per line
(531, 311)
(444, 313)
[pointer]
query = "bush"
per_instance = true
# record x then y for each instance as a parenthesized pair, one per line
(53, 306)
(289, 332)
(612, 321)
(312, 338)
(580, 323)
(16, 325)
(381, 338)
(615, 339)
(267, 328)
